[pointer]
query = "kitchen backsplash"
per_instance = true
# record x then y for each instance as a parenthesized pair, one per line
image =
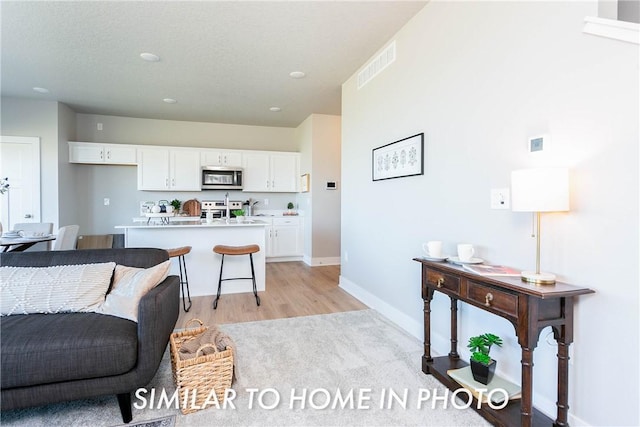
(277, 203)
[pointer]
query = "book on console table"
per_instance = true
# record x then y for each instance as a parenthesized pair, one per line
(491, 270)
(481, 392)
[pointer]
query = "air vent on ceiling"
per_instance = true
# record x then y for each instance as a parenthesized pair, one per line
(377, 64)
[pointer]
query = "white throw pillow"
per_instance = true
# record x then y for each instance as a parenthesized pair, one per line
(56, 289)
(130, 284)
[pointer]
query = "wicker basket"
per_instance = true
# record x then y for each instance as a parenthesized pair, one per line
(201, 374)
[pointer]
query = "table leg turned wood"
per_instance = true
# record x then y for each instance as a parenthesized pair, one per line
(427, 295)
(526, 405)
(454, 329)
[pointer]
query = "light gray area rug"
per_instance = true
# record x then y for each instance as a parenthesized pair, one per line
(342, 367)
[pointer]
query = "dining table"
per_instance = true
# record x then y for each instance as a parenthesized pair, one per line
(19, 244)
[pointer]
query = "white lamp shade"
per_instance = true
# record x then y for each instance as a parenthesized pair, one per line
(540, 190)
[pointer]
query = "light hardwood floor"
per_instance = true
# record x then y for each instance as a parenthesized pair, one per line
(292, 289)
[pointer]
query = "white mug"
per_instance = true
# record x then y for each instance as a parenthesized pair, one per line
(433, 248)
(465, 251)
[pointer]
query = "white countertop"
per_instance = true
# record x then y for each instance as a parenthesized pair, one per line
(198, 223)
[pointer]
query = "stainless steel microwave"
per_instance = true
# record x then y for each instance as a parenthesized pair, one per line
(220, 178)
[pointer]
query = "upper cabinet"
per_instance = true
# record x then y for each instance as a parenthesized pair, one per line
(270, 171)
(95, 153)
(162, 169)
(229, 158)
(178, 169)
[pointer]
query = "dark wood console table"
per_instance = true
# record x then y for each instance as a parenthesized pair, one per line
(530, 308)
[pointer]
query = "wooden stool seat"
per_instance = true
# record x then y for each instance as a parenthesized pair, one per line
(236, 250)
(184, 279)
(174, 252)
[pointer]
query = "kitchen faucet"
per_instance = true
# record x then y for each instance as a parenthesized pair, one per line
(226, 204)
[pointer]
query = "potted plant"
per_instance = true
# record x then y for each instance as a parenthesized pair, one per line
(482, 366)
(176, 205)
(239, 214)
(290, 207)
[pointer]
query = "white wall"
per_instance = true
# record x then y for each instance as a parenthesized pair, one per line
(68, 184)
(478, 78)
(319, 140)
(304, 138)
(25, 117)
(130, 130)
(326, 203)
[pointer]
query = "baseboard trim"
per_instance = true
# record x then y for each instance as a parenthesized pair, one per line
(284, 259)
(405, 322)
(316, 262)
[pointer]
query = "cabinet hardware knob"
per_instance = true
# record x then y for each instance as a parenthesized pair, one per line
(109, 155)
(440, 282)
(487, 299)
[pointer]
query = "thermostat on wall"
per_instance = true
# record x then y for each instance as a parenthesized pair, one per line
(332, 185)
(539, 143)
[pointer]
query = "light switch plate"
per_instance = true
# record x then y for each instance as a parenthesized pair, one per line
(500, 198)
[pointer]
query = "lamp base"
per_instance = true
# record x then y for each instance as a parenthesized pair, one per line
(538, 278)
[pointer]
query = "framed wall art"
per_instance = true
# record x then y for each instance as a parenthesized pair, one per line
(304, 183)
(399, 159)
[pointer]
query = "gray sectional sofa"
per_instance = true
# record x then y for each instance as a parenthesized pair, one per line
(48, 358)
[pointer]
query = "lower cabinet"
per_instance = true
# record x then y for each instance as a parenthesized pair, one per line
(283, 236)
(286, 237)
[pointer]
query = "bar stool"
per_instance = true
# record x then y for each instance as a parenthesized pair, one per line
(184, 280)
(236, 250)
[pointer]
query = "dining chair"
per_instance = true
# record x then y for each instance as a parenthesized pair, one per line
(67, 238)
(41, 227)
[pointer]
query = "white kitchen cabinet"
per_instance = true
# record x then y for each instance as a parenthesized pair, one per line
(271, 171)
(221, 158)
(256, 174)
(287, 237)
(94, 153)
(161, 169)
(283, 237)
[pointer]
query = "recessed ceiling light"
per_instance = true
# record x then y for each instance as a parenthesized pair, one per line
(275, 109)
(170, 101)
(40, 90)
(296, 74)
(150, 57)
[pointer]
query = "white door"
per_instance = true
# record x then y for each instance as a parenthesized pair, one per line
(20, 163)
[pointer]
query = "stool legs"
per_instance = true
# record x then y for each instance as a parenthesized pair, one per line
(215, 303)
(253, 278)
(183, 266)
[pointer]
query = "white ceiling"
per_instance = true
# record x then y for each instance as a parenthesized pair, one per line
(224, 62)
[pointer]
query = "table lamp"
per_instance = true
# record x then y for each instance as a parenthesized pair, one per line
(539, 190)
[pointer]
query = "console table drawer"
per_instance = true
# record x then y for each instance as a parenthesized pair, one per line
(493, 298)
(443, 281)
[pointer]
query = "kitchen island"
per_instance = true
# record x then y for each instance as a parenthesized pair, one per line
(203, 265)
